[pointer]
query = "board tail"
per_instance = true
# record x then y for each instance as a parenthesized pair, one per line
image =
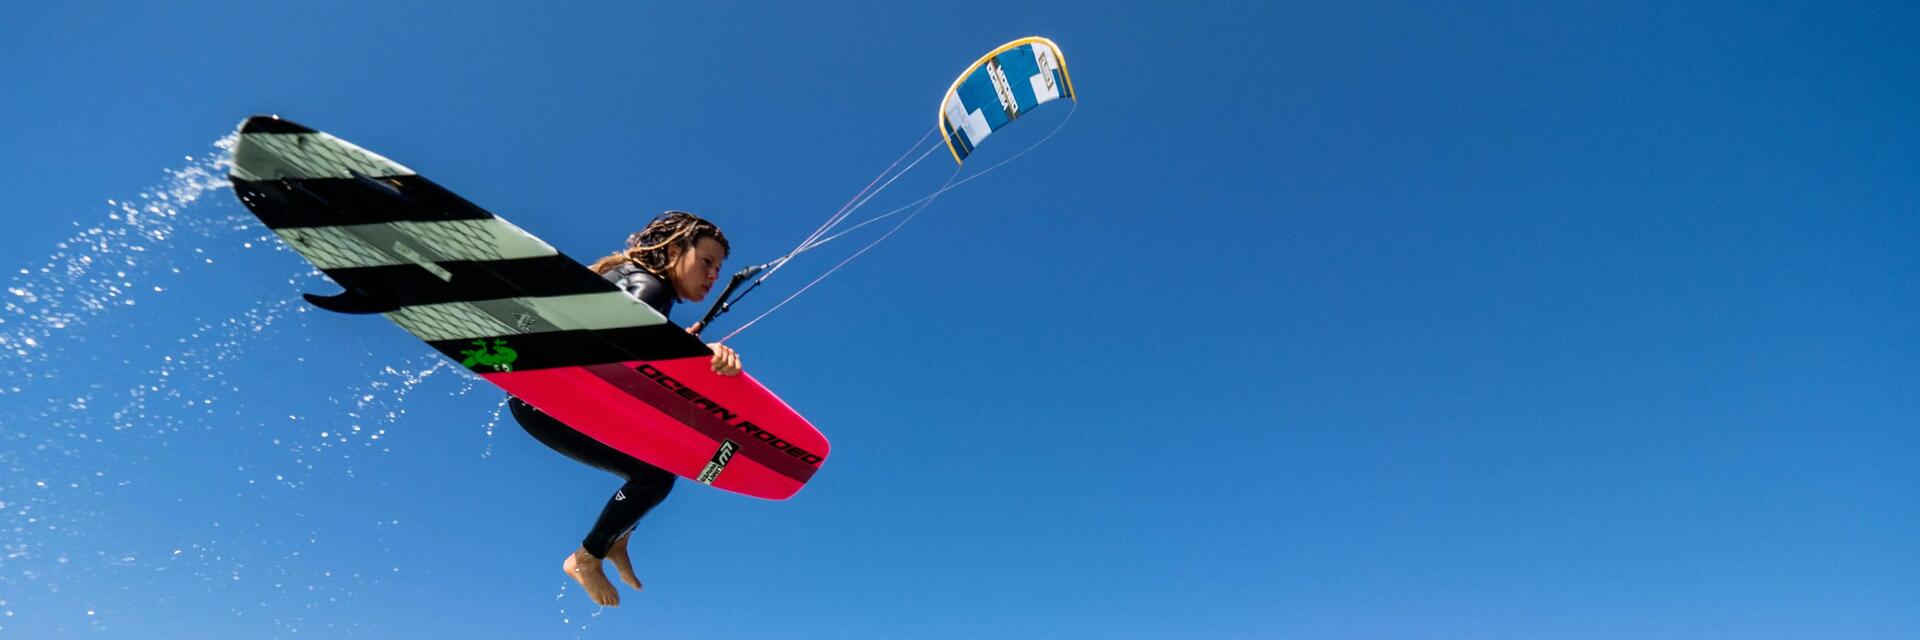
(272, 124)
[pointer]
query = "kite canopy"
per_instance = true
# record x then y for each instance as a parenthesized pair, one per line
(1000, 87)
(1013, 79)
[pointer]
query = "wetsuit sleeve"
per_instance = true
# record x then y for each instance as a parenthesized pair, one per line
(647, 289)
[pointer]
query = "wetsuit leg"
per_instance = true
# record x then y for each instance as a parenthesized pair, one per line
(646, 484)
(629, 503)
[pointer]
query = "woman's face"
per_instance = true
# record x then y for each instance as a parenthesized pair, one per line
(694, 272)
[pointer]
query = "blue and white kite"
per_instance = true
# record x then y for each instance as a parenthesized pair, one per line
(1000, 87)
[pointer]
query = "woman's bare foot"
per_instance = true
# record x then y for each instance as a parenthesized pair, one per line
(618, 554)
(585, 569)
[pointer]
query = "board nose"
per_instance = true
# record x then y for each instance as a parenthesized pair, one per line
(271, 124)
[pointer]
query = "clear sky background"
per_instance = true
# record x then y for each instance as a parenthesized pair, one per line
(1332, 320)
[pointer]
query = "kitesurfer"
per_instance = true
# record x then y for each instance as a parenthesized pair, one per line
(677, 256)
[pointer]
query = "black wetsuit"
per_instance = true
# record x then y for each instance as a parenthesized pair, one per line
(646, 484)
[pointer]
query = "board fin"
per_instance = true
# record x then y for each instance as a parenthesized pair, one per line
(352, 301)
(381, 188)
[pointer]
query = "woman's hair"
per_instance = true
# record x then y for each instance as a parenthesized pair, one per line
(663, 241)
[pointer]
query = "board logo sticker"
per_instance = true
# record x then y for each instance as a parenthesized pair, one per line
(414, 257)
(499, 355)
(719, 462)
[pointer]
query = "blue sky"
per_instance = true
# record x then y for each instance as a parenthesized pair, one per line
(1350, 320)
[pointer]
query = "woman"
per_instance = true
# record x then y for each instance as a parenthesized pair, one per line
(677, 256)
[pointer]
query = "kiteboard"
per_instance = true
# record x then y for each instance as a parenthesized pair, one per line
(518, 313)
